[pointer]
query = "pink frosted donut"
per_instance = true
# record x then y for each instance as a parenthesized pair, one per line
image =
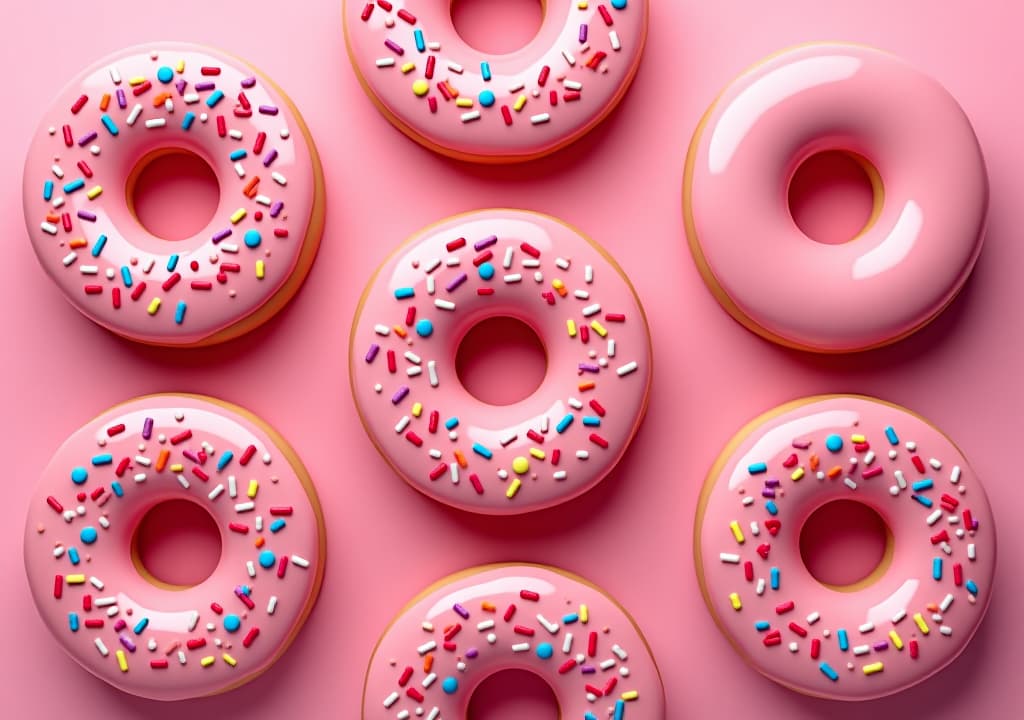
(901, 624)
(105, 127)
(512, 107)
(484, 620)
(930, 185)
(507, 459)
(108, 612)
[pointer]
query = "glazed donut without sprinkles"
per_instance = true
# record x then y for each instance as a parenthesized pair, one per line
(482, 621)
(106, 127)
(495, 108)
(126, 627)
(904, 622)
(930, 187)
(551, 446)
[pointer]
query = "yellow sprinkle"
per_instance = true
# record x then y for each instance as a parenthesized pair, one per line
(261, 269)
(736, 532)
(598, 328)
(94, 192)
(176, 468)
(858, 438)
(420, 87)
(254, 487)
(797, 474)
(417, 409)
(122, 661)
(154, 305)
(921, 624)
(571, 327)
(557, 284)
(537, 453)
(237, 215)
(137, 80)
(229, 660)
(631, 695)
(408, 67)
(897, 641)
(180, 67)
(875, 667)
(581, 5)
(206, 661)
(74, 579)
(737, 604)
(520, 465)
(464, 102)
(584, 614)
(513, 488)
(520, 103)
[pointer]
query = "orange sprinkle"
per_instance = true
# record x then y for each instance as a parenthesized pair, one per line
(159, 99)
(454, 91)
(260, 541)
(399, 331)
(814, 462)
(428, 662)
(77, 243)
(835, 472)
(487, 606)
(587, 386)
(250, 187)
(161, 460)
(105, 101)
(461, 459)
(52, 218)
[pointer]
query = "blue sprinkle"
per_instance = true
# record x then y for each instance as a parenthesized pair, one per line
(224, 459)
(757, 468)
(775, 578)
(545, 651)
(47, 189)
(214, 99)
(404, 292)
(485, 71)
(890, 434)
(591, 421)
(829, 672)
(844, 641)
(267, 559)
(79, 475)
(937, 568)
(620, 705)
(73, 556)
(424, 328)
(486, 271)
(834, 443)
(76, 184)
(482, 451)
(104, 459)
(972, 587)
(277, 525)
(451, 423)
(109, 125)
(570, 618)
(619, 4)
(165, 74)
(486, 98)
(73, 621)
(88, 535)
(589, 716)
(179, 312)
(172, 262)
(252, 238)
(126, 275)
(927, 502)
(762, 625)
(238, 154)
(449, 685)
(190, 117)
(97, 247)
(925, 484)
(116, 487)
(232, 622)
(771, 507)
(140, 626)
(421, 45)
(564, 423)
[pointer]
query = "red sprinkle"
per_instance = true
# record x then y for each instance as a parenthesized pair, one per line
(475, 482)
(281, 510)
(529, 595)
(238, 528)
(510, 611)
(160, 664)
(523, 630)
(438, 471)
(592, 644)
(797, 629)
(529, 250)
(181, 437)
(282, 566)
(815, 648)
(406, 674)
(79, 104)
(918, 463)
(55, 504)
(58, 586)
(598, 440)
(195, 643)
(913, 649)
(250, 636)
(455, 244)
(247, 455)
(567, 666)
(208, 70)
(543, 77)
(784, 607)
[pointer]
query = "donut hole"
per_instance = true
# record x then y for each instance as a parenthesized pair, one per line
(497, 28)
(501, 361)
(845, 545)
(511, 695)
(834, 196)
(173, 193)
(176, 544)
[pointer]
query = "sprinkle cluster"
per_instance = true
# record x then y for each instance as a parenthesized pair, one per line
(949, 525)
(89, 507)
(444, 664)
(436, 76)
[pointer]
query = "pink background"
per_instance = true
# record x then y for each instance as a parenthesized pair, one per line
(621, 184)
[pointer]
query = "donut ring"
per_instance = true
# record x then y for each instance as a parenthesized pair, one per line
(895, 628)
(546, 449)
(481, 621)
(931, 198)
(105, 127)
(484, 108)
(133, 631)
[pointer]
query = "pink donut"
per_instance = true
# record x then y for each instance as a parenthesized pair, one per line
(507, 459)
(105, 127)
(512, 107)
(931, 197)
(903, 623)
(128, 628)
(484, 620)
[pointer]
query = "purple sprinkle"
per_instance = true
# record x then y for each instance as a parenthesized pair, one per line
(204, 86)
(588, 669)
(583, 33)
(472, 653)
(270, 157)
(180, 86)
(147, 428)
(485, 243)
(122, 101)
(120, 625)
(399, 394)
(772, 482)
(276, 209)
(879, 646)
(191, 456)
(220, 235)
(86, 215)
(456, 282)
(372, 352)
(590, 367)
(268, 110)
(87, 138)
(768, 492)
(127, 642)
(463, 612)
(392, 45)
(248, 82)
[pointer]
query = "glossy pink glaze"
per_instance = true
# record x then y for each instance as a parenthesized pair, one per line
(907, 265)
(920, 534)
(567, 84)
(564, 460)
(506, 617)
(118, 592)
(215, 277)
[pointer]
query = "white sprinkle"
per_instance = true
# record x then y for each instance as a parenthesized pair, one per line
(58, 551)
(813, 617)
(239, 170)
(250, 568)
(582, 294)
(232, 486)
(866, 627)
(183, 481)
(626, 369)
(156, 123)
(259, 523)
(620, 653)
(432, 373)
(181, 657)
(193, 620)
(551, 627)
(385, 62)
(382, 330)
(755, 529)
(444, 304)
(434, 45)
(794, 647)
(575, 403)
(104, 521)
(945, 630)
(414, 371)
(48, 228)
(850, 483)
(562, 263)
(513, 278)
(300, 561)
(591, 310)
(245, 506)
(971, 552)
(427, 626)
(272, 605)
(954, 477)
(946, 548)
(393, 697)
(105, 601)
(429, 680)
(432, 266)
(69, 258)
(492, 638)
(588, 274)
(934, 517)
(899, 616)
(101, 647)
(607, 664)
(568, 57)
(434, 714)
(235, 134)
(935, 463)
(509, 252)
(900, 480)
(567, 643)
(911, 445)
(113, 610)
(191, 98)
(263, 200)
(402, 424)
(611, 348)
(455, 68)
(426, 647)
(431, 284)
(412, 357)
(729, 558)
(453, 470)
(946, 602)
(760, 586)
(521, 647)
(870, 457)
(613, 38)
(88, 269)
(470, 116)
(861, 649)
(540, 118)
(748, 500)
(893, 490)
(485, 625)
(582, 454)
(279, 178)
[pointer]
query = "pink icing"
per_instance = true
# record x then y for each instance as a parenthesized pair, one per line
(929, 497)
(537, 99)
(97, 252)
(906, 266)
(526, 617)
(110, 608)
(570, 432)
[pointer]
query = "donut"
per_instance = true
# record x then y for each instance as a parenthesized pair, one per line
(905, 621)
(513, 616)
(106, 127)
(503, 108)
(930, 198)
(551, 446)
(111, 615)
